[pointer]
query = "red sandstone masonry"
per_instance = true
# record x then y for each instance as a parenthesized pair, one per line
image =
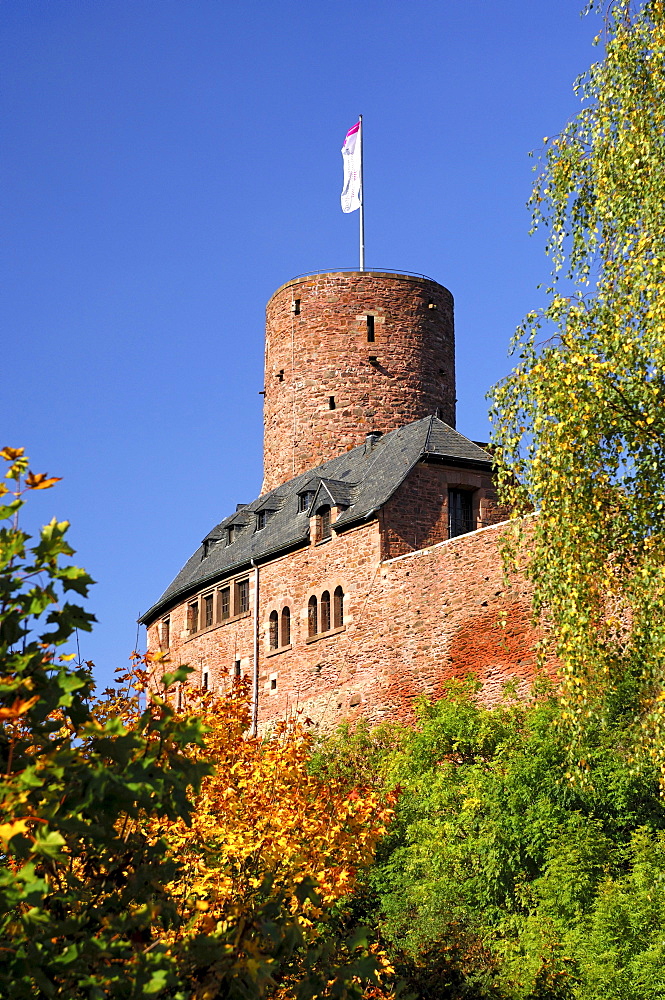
(321, 353)
(411, 624)
(416, 516)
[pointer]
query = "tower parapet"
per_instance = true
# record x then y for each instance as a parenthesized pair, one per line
(349, 353)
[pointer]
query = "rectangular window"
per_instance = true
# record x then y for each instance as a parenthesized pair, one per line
(260, 520)
(295, 307)
(225, 603)
(325, 524)
(460, 512)
(193, 617)
(370, 329)
(242, 596)
(208, 610)
(204, 680)
(236, 668)
(166, 634)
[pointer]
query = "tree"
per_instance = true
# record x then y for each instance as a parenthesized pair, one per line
(510, 871)
(149, 851)
(579, 426)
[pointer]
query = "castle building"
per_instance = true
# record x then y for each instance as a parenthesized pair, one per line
(368, 571)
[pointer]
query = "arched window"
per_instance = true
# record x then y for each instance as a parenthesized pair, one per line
(274, 638)
(312, 616)
(325, 530)
(286, 627)
(325, 611)
(338, 607)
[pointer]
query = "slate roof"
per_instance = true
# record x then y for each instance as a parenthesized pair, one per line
(362, 480)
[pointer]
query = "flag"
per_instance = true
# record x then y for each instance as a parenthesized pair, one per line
(352, 190)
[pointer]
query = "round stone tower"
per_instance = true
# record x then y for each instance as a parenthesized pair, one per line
(348, 353)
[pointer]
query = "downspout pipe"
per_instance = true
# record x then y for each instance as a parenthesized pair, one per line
(255, 671)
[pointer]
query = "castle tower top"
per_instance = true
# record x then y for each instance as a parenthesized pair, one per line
(348, 353)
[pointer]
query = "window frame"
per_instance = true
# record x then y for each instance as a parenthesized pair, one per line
(312, 616)
(461, 523)
(324, 515)
(208, 610)
(273, 630)
(338, 607)
(165, 634)
(324, 612)
(285, 627)
(241, 596)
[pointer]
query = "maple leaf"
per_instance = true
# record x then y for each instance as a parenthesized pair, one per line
(40, 481)
(11, 454)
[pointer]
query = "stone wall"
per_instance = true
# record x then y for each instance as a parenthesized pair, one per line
(327, 385)
(416, 516)
(411, 624)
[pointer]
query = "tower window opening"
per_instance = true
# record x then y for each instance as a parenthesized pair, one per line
(236, 669)
(325, 611)
(193, 617)
(165, 638)
(204, 680)
(274, 623)
(460, 512)
(325, 526)
(207, 610)
(338, 608)
(295, 307)
(370, 330)
(312, 616)
(273, 683)
(286, 627)
(331, 402)
(280, 375)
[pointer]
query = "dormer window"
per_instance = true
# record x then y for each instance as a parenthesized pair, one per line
(305, 500)
(208, 545)
(261, 518)
(231, 533)
(325, 523)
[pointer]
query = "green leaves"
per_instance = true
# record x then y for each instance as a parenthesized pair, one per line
(579, 426)
(512, 844)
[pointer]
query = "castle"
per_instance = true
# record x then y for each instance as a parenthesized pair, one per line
(368, 571)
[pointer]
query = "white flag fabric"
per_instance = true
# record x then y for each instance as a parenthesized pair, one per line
(351, 193)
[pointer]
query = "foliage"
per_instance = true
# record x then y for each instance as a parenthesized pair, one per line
(82, 886)
(266, 828)
(148, 851)
(513, 869)
(580, 423)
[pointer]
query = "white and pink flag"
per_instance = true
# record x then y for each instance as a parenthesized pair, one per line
(351, 157)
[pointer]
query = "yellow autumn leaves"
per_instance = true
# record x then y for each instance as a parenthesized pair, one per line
(263, 820)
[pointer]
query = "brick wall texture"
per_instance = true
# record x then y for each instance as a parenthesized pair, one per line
(321, 353)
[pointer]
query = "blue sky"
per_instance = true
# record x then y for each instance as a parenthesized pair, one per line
(167, 164)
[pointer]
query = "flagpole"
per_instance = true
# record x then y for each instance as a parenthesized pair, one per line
(362, 200)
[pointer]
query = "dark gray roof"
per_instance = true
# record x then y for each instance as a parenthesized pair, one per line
(361, 480)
